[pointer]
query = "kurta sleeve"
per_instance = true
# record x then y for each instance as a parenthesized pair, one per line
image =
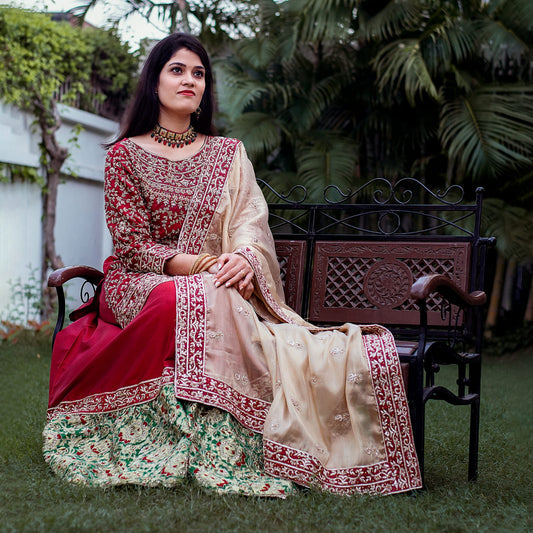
(128, 216)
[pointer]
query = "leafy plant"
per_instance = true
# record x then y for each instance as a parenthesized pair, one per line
(25, 303)
(510, 341)
(10, 172)
(45, 61)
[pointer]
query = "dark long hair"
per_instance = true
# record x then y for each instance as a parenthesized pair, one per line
(143, 111)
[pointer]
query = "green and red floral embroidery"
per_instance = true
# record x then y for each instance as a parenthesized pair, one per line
(160, 442)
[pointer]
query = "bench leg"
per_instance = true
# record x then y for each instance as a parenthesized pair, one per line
(419, 435)
(417, 409)
(474, 440)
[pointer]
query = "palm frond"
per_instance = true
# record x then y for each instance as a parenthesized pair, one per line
(319, 20)
(489, 131)
(269, 9)
(325, 158)
(260, 132)
(240, 94)
(306, 110)
(515, 14)
(258, 53)
(400, 65)
(462, 38)
(239, 90)
(512, 226)
(391, 21)
(499, 41)
(447, 41)
(463, 79)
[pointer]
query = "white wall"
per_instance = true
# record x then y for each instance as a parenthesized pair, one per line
(81, 234)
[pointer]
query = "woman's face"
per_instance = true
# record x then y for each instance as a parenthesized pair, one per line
(181, 84)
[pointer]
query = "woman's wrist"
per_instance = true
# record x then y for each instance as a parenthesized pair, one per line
(179, 264)
(202, 262)
(188, 264)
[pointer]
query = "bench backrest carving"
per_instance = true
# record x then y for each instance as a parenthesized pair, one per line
(353, 257)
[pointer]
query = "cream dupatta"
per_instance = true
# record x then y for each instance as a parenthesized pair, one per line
(330, 403)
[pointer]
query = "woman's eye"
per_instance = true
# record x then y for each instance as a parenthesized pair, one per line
(199, 73)
(176, 69)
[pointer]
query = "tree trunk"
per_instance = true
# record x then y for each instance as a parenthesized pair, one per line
(180, 6)
(55, 156)
(497, 284)
(528, 316)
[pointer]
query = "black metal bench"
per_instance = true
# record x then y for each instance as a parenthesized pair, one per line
(397, 254)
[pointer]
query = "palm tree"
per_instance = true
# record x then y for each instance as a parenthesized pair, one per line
(213, 21)
(432, 87)
(473, 60)
(470, 59)
(281, 98)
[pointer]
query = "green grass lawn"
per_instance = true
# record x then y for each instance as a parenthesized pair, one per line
(32, 500)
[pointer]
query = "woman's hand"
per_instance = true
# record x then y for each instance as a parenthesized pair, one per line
(235, 271)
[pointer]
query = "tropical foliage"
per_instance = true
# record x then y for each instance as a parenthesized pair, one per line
(326, 91)
(213, 21)
(284, 102)
(44, 61)
(436, 89)
(340, 91)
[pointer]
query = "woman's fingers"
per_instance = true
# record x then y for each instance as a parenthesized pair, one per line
(238, 277)
(246, 290)
(213, 269)
(234, 269)
(246, 281)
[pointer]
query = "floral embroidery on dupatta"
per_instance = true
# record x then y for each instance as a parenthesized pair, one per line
(249, 254)
(399, 471)
(191, 381)
(206, 198)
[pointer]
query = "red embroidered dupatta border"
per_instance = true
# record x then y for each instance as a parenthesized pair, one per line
(191, 382)
(206, 199)
(399, 472)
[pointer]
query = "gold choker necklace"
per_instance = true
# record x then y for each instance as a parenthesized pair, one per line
(173, 138)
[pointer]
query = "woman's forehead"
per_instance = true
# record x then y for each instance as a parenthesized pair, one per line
(186, 57)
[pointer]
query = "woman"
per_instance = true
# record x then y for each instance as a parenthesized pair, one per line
(208, 373)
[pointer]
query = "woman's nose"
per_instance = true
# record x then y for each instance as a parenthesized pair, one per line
(188, 78)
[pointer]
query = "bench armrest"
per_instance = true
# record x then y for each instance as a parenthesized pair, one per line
(60, 276)
(443, 285)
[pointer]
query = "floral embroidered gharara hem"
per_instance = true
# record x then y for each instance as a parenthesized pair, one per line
(159, 442)
(328, 404)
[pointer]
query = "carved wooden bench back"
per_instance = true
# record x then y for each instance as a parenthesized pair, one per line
(367, 282)
(355, 259)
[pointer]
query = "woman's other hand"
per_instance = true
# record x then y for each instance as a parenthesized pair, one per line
(235, 271)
